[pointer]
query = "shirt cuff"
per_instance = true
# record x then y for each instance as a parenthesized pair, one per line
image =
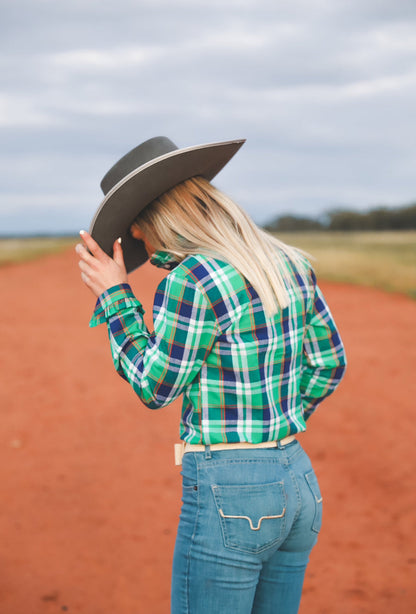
(112, 301)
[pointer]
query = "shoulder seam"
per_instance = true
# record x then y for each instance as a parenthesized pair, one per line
(182, 271)
(187, 274)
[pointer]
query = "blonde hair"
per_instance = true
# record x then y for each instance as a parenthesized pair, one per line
(194, 217)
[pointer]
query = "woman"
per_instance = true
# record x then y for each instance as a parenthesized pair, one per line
(242, 331)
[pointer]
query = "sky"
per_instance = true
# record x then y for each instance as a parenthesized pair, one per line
(324, 91)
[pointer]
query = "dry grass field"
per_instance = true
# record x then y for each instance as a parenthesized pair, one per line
(384, 260)
(22, 249)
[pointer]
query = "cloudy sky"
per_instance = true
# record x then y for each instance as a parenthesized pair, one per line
(324, 91)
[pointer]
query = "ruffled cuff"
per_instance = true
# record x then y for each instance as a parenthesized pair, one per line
(113, 301)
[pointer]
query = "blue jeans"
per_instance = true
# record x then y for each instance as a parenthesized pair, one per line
(248, 522)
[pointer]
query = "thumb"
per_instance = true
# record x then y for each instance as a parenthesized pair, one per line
(118, 253)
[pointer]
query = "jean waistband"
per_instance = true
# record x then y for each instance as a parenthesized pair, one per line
(183, 448)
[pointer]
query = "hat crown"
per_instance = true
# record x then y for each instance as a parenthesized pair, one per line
(143, 153)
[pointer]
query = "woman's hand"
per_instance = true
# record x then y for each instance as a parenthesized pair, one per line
(98, 271)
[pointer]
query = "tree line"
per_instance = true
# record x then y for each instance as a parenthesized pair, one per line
(377, 219)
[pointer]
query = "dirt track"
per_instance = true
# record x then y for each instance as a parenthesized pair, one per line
(89, 493)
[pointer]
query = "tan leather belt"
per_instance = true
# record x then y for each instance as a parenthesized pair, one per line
(183, 448)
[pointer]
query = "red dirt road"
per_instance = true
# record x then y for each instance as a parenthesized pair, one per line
(89, 493)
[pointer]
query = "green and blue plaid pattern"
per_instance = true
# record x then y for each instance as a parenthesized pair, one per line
(244, 377)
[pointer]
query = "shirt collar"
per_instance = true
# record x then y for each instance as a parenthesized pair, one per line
(164, 260)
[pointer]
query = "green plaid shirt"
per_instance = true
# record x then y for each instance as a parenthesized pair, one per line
(243, 376)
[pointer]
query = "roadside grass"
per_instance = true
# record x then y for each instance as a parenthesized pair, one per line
(13, 250)
(385, 260)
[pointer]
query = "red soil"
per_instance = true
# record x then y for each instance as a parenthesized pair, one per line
(89, 493)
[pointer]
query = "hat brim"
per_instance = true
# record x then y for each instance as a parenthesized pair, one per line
(124, 202)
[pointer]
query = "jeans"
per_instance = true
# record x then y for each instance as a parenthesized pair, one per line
(248, 522)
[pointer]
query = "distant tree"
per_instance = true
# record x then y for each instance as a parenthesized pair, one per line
(379, 218)
(346, 221)
(405, 218)
(292, 223)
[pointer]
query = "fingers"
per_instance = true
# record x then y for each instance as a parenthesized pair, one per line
(98, 271)
(92, 245)
(89, 260)
(84, 254)
(118, 253)
(85, 267)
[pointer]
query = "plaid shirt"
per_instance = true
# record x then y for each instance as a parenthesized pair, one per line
(243, 376)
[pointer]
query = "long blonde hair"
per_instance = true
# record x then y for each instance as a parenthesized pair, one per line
(194, 217)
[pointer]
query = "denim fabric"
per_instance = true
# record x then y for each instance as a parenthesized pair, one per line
(248, 522)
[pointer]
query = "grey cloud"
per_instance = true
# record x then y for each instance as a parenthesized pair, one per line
(323, 91)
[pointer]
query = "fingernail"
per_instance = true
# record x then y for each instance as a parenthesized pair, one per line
(82, 232)
(79, 248)
(119, 239)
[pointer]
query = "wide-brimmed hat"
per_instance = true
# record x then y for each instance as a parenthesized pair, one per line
(143, 174)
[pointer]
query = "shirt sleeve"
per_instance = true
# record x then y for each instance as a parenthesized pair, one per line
(323, 359)
(113, 300)
(161, 364)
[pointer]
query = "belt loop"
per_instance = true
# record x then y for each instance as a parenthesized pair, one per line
(208, 454)
(284, 442)
(179, 451)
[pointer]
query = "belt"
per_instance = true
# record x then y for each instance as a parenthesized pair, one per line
(183, 448)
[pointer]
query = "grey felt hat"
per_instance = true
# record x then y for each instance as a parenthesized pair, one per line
(143, 174)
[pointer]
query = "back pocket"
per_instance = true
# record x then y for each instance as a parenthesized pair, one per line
(252, 517)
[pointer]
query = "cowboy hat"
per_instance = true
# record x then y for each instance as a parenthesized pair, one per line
(143, 174)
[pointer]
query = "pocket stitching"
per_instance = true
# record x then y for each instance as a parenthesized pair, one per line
(252, 527)
(228, 538)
